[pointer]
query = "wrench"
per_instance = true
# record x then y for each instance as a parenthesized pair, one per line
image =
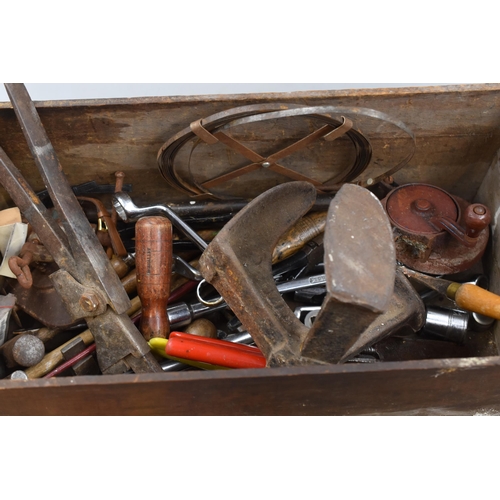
(128, 211)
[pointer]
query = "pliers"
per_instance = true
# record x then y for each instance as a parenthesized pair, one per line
(86, 282)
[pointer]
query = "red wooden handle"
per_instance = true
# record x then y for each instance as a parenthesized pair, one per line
(153, 261)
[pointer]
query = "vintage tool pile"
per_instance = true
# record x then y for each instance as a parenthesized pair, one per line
(305, 273)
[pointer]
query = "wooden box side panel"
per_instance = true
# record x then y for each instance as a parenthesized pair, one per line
(444, 387)
(457, 133)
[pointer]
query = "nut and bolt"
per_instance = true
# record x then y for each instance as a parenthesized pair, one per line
(89, 302)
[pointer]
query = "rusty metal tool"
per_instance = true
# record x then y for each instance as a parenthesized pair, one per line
(85, 279)
(105, 218)
(20, 264)
(359, 262)
(360, 265)
(213, 131)
(405, 313)
(467, 296)
(153, 261)
(435, 232)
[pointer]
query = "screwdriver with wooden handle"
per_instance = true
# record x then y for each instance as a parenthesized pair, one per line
(467, 296)
(153, 263)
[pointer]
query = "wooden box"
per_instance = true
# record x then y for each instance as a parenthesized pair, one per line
(457, 137)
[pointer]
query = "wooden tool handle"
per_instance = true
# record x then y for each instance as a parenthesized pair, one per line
(153, 263)
(476, 299)
(305, 230)
(54, 358)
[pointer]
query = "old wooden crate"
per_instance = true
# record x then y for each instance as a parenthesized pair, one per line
(457, 135)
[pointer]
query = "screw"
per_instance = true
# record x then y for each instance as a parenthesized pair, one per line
(266, 164)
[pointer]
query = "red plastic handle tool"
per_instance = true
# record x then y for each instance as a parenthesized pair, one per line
(216, 352)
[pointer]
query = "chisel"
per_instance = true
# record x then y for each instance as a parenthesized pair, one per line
(467, 296)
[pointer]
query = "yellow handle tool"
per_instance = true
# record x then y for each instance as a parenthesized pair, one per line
(467, 296)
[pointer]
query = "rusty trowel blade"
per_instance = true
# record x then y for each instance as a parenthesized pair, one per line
(406, 311)
(238, 264)
(360, 266)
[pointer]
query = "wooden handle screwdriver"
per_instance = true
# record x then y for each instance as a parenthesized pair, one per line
(467, 296)
(153, 263)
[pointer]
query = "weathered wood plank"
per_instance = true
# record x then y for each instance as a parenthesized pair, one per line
(446, 387)
(457, 131)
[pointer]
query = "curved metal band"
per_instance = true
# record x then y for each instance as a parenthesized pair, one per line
(256, 113)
